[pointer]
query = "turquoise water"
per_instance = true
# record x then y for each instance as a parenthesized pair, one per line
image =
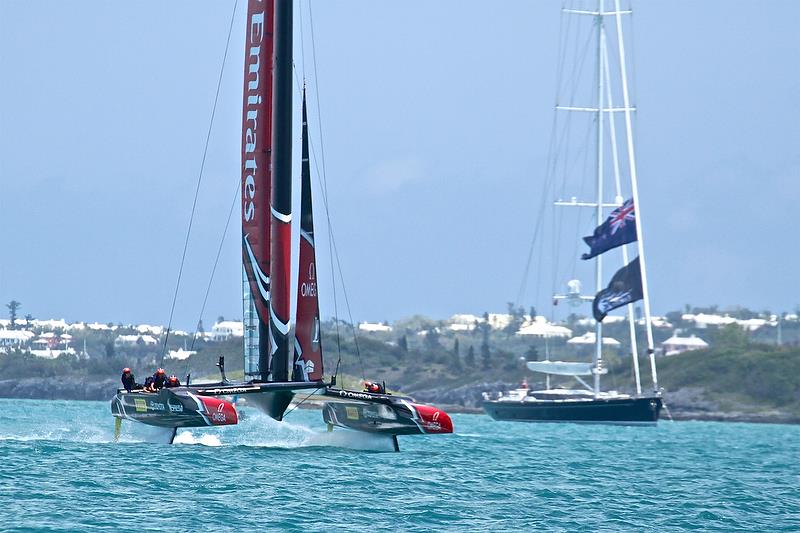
(61, 470)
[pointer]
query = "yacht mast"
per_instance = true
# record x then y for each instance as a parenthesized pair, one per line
(635, 194)
(619, 200)
(598, 270)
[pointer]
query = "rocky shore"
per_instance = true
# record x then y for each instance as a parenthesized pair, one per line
(682, 404)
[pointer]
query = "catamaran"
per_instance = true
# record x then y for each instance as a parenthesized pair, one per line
(275, 370)
(617, 229)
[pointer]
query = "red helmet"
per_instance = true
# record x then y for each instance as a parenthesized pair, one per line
(160, 371)
(173, 379)
(126, 370)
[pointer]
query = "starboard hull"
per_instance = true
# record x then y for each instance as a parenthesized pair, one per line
(621, 411)
(383, 414)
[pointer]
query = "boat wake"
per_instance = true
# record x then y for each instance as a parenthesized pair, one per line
(260, 431)
(206, 439)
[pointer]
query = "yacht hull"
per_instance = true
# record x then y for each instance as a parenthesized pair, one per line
(622, 411)
(179, 407)
(382, 413)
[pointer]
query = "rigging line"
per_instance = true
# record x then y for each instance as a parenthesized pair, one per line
(216, 261)
(523, 286)
(199, 181)
(298, 404)
(324, 176)
(302, 42)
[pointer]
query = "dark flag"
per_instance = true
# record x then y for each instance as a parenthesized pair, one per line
(625, 287)
(618, 229)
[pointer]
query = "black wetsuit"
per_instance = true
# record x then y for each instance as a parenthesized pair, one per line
(170, 384)
(159, 380)
(128, 381)
(148, 382)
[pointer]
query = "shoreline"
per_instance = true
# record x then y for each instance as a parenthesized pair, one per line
(99, 392)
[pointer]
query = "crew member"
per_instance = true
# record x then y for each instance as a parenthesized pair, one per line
(376, 388)
(159, 379)
(128, 380)
(172, 382)
(148, 384)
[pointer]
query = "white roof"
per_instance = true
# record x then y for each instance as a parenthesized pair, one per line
(541, 328)
(16, 334)
(180, 354)
(609, 319)
(695, 342)
(146, 328)
(367, 326)
(465, 318)
(590, 338)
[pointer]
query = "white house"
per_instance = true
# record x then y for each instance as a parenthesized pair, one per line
(226, 329)
(133, 340)
(590, 338)
(50, 345)
(150, 330)
(463, 322)
(540, 327)
(373, 327)
(15, 338)
(180, 354)
(675, 345)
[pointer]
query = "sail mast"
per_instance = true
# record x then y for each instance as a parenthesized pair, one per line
(635, 194)
(281, 198)
(598, 352)
(256, 151)
(619, 201)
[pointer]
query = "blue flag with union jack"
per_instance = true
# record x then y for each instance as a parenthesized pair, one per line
(618, 229)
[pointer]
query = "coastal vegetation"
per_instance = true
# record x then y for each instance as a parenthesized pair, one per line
(743, 372)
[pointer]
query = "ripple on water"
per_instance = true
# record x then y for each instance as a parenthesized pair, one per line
(295, 476)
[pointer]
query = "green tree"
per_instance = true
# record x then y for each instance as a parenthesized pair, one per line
(532, 354)
(486, 355)
(469, 360)
(432, 341)
(402, 343)
(456, 356)
(13, 307)
(517, 318)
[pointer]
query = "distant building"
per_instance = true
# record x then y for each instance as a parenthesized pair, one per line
(675, 344)
(463, 322)
(180, 354)
(373, 327)
(222, 331)
(609, 319)
(97, 326)
(11, 339)
(657, 321)
(540, 327)
(589, 338)
(499, 320)
(135, 340)
(50, 345)
(151, 330)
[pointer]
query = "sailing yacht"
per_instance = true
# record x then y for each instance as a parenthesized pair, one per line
(619, 224)
(276, 370)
